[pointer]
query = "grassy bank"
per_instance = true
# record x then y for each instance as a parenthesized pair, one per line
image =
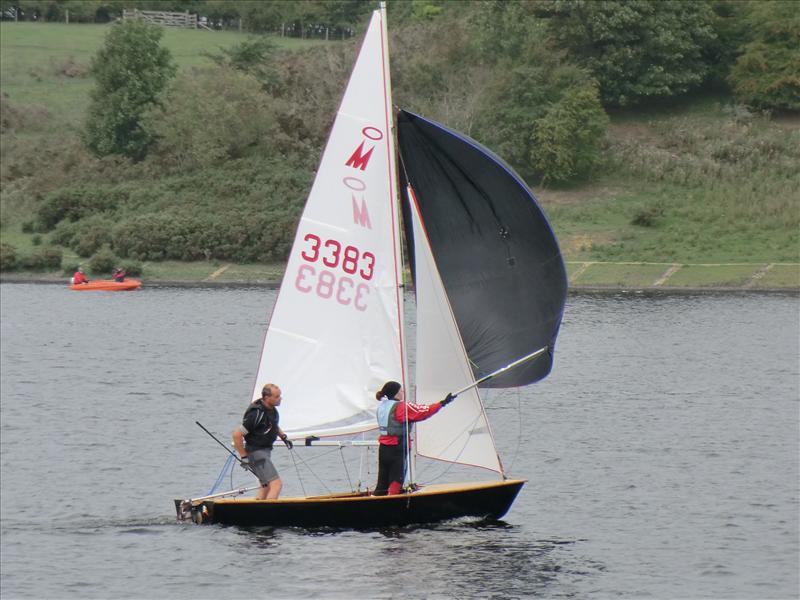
(582, 275)
(696, 193)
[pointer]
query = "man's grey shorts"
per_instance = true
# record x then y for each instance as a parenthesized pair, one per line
(261, 465)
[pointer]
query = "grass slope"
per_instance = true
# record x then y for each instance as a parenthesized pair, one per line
(700, 183)
(46, 64)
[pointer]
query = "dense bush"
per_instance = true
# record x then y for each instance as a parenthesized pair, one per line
(253, 57)
(522, 115)
(534, 101)
(239, 237)
(42, 259)
(637, 49)
(103, 262)
(68, 267)
(193, 129)
(92, 234)
(568, 138)
(8, 257)
(64, 232)
(133, 268)
(74, 203)
(767, 74)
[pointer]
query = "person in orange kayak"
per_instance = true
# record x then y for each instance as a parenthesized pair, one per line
(79, 277)
(393, 413)
(119, 274)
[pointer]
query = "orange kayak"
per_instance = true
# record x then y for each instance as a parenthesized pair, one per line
(107, 285)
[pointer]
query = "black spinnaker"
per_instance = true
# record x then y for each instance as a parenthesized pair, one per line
(495, 250)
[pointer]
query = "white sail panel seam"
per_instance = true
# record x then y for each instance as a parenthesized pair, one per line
(323, 224)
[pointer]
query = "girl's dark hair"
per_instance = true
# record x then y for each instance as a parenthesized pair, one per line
(389, 389)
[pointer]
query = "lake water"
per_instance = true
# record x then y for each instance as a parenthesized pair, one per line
(661, 453)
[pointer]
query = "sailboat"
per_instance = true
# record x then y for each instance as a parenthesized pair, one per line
(490, 287)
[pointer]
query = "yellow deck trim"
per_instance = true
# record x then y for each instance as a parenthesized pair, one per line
(429, 490)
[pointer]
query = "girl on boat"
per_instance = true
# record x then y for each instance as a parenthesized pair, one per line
(393, 415)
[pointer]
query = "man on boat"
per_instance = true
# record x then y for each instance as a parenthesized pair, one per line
(254, 438)
(119, 274)
(79, 277)
(393, 415)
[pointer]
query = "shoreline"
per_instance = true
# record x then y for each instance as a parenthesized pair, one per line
(573, 288)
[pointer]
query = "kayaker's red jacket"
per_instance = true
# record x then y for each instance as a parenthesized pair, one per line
(414, 412)
(79, 278)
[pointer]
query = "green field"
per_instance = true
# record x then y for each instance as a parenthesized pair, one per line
(46, 64)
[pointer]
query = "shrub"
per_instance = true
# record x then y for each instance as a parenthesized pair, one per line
(42, 259)
(132, 267)
(91, 235)
(193, 132)
(767, 73)
(103, 261)
(36, 240)
(75, 203)
(647, 217)
(636, 49)
(568, 138)
(68, 267)
(234, 235)
(8, 257)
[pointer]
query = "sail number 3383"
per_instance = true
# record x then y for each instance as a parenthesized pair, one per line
(340, 281)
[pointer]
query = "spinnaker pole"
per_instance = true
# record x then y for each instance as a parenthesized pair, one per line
(516, 363)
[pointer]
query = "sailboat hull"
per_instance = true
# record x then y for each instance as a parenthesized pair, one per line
(358, 510)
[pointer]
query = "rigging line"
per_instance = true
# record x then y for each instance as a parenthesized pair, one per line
(346, 470)
(519, 430)
(305, 464)
(403, 165)
(221, 476)
(361, 462)
(297, 470)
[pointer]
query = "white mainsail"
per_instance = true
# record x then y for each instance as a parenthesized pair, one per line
(460, 433)
(336, 331)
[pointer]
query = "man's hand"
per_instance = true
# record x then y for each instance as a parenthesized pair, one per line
(285, 439)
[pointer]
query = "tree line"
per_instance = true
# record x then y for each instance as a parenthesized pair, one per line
(227, 152)
(293, 18)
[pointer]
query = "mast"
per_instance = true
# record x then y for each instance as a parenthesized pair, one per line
(396, 216)
(393, 192)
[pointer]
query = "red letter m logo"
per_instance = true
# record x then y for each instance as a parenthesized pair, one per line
(359, 160)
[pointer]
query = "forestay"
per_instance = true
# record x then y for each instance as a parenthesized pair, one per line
(461, 435)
